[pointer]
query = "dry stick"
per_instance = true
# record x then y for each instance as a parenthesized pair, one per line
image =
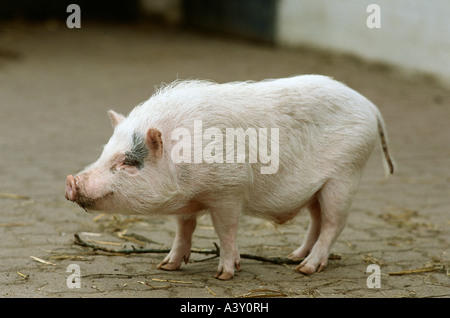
(81, 242)
(417, 270)
(216, 252)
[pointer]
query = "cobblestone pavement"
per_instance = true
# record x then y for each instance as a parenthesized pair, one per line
(56, 86)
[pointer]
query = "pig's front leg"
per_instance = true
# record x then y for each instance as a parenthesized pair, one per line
(225, 221)
(181, 248)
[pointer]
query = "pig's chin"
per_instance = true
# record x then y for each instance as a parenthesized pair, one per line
(90, 204)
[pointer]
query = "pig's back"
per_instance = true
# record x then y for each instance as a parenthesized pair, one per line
(292, 102)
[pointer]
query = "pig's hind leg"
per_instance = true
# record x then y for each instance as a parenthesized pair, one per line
(312, 234)
(334, 199)
(181, 248)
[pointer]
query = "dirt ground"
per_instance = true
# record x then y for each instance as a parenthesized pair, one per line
(56, 85)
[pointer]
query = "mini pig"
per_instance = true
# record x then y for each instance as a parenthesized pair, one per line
(321, 135)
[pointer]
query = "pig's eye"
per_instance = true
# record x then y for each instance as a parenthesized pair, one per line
(127, 165)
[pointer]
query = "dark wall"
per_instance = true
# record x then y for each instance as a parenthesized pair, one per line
(250, 18)
(122, 10)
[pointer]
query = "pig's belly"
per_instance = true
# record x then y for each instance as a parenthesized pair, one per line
(282, 198)
(279, 208)
(278, 216)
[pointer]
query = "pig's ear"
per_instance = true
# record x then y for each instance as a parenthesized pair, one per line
(115, 118)
(154, 142)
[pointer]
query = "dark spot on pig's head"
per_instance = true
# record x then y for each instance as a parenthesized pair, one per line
(136, 156)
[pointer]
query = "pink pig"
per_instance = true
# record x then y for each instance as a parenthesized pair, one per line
(176, 154)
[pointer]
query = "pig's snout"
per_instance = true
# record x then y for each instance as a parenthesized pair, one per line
(71, 188)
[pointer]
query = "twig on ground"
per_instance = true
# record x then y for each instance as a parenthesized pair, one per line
(417, 271)
(82, 242)
(13, 196)
(215, 251)
(40, 260)
(262, 293)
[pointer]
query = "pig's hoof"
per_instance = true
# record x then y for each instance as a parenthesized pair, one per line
(223, 275)
(170, 266)
(305, 269)
(308, 268)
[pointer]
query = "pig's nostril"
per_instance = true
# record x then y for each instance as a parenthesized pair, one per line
(71, 188)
